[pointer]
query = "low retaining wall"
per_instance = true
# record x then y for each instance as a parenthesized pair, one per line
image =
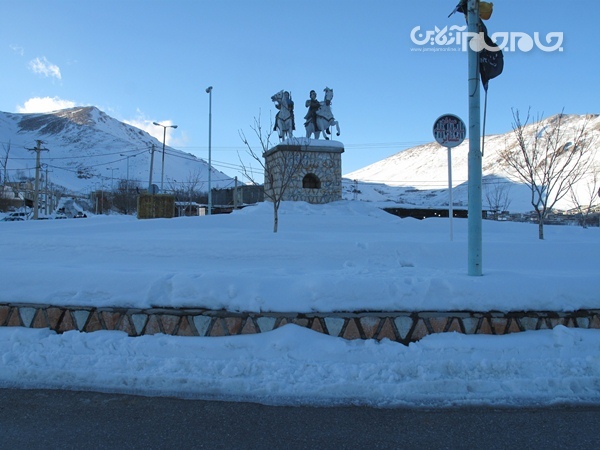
(403, 327)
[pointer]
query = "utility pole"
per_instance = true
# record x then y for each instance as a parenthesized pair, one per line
(38, 149)
(235, 194)
(127, 183)
(46, 192)
(474, 158)
(151, 169)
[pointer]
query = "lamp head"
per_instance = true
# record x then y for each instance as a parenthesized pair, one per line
(208, 89)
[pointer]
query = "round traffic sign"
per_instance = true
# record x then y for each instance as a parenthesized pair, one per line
(449, 130)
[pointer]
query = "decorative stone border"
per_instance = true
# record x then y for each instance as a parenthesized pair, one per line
(403, 327)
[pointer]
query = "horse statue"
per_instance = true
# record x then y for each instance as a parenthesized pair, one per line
(324, 118)
(284, 119)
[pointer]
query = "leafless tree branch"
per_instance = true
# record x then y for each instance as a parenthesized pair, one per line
(549, 158)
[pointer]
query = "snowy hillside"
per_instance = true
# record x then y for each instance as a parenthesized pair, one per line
(88, 149)
(419, 175)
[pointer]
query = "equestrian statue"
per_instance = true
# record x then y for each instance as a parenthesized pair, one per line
(319, 117)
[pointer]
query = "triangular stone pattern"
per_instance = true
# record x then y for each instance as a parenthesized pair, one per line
(401, 326)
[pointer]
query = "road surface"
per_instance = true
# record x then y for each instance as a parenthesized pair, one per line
(67, 420)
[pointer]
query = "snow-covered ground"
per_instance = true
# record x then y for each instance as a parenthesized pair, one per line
(341, 256)
(294, 365)
(337, 257)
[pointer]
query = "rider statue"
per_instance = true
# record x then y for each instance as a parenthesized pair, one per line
(313, 106)
(290, 106)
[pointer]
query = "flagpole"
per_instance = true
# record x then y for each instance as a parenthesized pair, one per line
(474, 158)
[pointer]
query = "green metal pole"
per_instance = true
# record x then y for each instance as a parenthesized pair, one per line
(209, 92)
(474, 158)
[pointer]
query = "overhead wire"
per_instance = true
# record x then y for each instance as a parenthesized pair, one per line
(176, 153)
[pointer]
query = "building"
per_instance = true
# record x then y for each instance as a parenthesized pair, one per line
(238, 196)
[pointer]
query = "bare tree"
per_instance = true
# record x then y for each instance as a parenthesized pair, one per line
(586, 203)
(549, 158)
(189, 189)
(124, 196)
(497, 194)
(279, 173)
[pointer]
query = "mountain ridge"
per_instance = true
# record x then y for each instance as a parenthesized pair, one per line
(419, 175)
(83, 142)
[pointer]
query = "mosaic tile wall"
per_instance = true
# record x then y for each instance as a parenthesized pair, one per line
(403, 327)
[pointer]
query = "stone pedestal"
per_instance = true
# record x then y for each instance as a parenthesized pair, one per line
(318, 178)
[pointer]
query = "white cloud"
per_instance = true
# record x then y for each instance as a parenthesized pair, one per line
(44, 104)
(148, 126)
(44, 67)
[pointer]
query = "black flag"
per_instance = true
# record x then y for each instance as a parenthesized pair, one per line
(491, 62)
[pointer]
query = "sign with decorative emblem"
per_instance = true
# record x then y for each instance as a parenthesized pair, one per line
(449, 130)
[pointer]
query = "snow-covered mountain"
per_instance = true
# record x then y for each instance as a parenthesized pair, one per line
(419, 175)
(88, 149)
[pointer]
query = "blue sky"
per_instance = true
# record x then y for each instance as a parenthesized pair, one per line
(144, 61)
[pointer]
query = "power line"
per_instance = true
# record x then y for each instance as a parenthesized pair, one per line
(140, 150)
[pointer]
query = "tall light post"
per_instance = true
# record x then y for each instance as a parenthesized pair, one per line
(162, 173)
(101, 208)
(209, 92)
(127, 181)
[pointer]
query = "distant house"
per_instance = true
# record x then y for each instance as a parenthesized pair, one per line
(8, 193)
(189, 209)
(238, 196)
(16, 195)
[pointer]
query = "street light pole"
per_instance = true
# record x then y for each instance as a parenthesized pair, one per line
(209, 92)
(162, 173)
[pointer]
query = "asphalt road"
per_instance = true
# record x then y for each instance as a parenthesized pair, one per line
(36, 419)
